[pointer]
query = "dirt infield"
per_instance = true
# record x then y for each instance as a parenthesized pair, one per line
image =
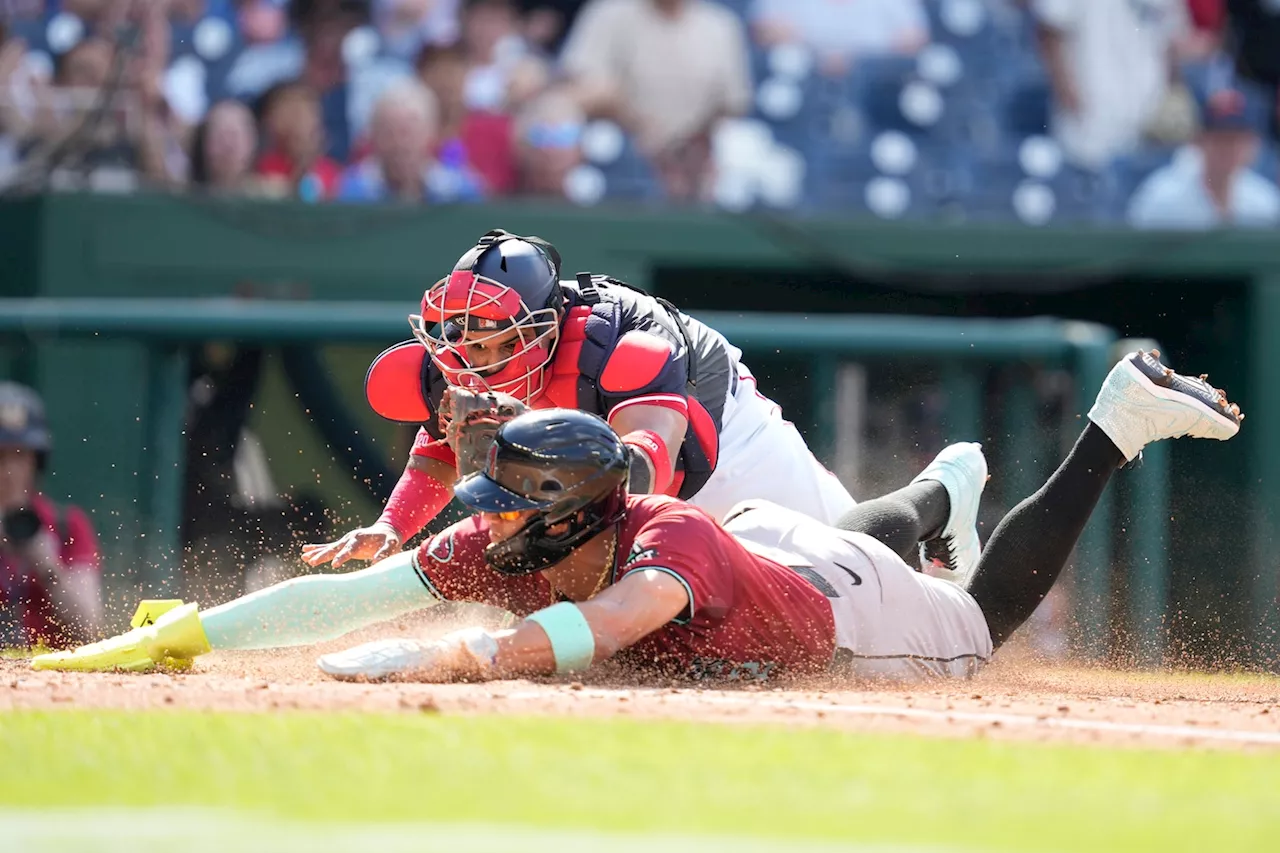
(1014, 698)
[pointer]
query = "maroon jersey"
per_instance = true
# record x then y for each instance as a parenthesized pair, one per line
(749, 617)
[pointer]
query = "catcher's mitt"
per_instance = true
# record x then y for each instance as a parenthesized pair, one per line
(470, 421)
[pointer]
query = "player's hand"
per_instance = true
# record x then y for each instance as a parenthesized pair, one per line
(373, 543)
(463, 655)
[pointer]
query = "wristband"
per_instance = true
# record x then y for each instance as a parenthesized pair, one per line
(572, 642)
(651, 445)
(417, 498)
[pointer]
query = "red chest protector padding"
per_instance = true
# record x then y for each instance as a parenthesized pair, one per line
(569, 370)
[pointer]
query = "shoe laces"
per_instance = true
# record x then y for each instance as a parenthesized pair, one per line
(940, 551)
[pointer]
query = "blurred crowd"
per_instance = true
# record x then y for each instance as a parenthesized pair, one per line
(1039, 111)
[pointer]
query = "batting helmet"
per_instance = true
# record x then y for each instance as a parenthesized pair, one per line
(22, 420)
(566, 465)
(502, 283)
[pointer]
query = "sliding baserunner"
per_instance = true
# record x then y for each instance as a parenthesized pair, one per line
(595, 573)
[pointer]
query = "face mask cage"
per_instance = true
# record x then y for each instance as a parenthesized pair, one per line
(466, 310)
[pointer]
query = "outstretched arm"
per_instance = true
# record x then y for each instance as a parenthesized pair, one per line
(425, 488)
(562, 638)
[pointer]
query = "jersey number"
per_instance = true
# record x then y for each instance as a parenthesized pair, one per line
(857, 581)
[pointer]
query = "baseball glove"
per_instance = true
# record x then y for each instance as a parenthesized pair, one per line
(470, 421)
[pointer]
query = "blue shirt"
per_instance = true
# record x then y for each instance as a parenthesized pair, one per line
(1175, 198)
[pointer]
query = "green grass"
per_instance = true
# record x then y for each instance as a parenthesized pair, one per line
(640, 777)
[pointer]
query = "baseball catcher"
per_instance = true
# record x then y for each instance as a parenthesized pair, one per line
(596, 573)
(688, 410)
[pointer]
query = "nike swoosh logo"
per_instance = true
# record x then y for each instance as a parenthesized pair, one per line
(857, 581)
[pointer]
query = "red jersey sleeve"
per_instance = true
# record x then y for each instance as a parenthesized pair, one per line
(451, 566)
(433, 448)
(681, 541)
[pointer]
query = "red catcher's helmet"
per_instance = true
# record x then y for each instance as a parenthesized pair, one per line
(502, 283)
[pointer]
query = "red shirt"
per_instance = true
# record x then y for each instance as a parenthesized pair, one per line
(26, 611)
(274, 164)
(750, 616)
(1208, 15)
(487, 139)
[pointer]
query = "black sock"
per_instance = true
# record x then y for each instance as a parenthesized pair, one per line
(1030, 546)
(902, 519)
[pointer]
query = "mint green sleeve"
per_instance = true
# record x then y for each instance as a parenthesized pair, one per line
(316, 608)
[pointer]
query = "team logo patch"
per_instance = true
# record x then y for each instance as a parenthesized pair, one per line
(637, 554)
(441, 548)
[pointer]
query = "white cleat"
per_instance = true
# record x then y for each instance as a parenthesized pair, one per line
(1143, 401)
(376, 661)
(953, 554)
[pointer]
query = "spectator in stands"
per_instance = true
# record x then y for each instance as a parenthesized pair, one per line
(547, 21)
(1211, 185)
(293, 160)
(668, 70)
(138, 140)
(1110, 66)
(479, 138)
(1208, 23)
(404, 130)
(189, 11)
(406, 26)
(317, 59)
(1253, 34)
(223, 149)
(50, 589)
(501, 70)
(840, 32)
(261, 21)
(549, 134)
(16, 86)
(98, 15)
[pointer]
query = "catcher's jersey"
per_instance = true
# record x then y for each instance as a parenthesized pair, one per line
(620, 347)
(891, 622)
(749, 617)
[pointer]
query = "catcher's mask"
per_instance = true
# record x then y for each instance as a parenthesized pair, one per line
(504, 283)
(567, 466)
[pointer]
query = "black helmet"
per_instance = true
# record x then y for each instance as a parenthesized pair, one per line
(504, 281)
(22, 420)
(567, 465)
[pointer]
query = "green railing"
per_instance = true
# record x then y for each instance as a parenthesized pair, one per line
(168, 327)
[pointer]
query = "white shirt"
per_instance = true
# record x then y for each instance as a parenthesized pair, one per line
(1175, 198)
(677, 73)
(1117, 51)
(846, 27)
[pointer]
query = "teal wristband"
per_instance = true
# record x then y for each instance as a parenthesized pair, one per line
(572, 642)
